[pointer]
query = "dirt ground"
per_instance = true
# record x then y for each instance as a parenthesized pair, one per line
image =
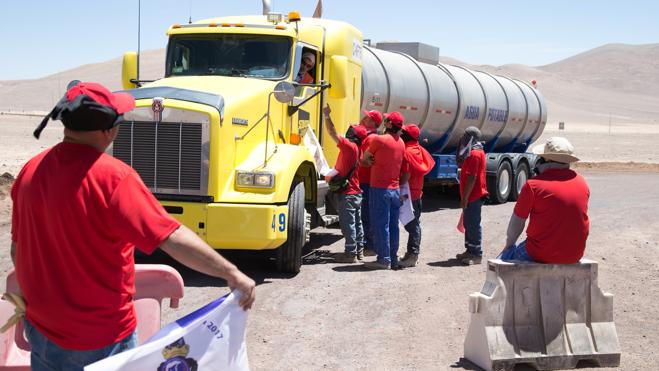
(341, 317)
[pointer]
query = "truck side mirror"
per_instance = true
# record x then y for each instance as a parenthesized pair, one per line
(338, 76)
(129, 70)
(284, 92)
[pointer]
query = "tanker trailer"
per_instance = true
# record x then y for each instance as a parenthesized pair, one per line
(445, 99)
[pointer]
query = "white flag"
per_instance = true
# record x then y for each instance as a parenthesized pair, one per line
(210, 338)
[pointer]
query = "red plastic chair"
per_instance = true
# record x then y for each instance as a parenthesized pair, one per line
(153, 283)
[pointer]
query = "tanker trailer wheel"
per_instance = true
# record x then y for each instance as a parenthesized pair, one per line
(502, 183)
(289, 255)
(521, 176)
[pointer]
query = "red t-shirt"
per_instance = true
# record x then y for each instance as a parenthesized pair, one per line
(77, 215)
(421, 162)
(390, 162)
(557, 201)
(474, 165)
(348, 157)
(365, 171)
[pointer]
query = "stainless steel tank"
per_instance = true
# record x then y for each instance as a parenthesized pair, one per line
(443, 100)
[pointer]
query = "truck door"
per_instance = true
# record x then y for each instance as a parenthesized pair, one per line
(306, 76)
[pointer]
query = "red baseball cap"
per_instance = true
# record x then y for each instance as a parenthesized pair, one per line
(89, 106)
(412, 130)
(360, 131)
(395, 118)
(120, 102)
(376, 116)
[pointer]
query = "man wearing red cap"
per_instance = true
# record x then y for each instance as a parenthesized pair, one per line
(350, 197)
(386, 156)
(78, 215)
(371, 121)
(420, 162)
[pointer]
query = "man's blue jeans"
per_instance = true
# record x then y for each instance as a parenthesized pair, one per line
(350, 220)
(516, 252)
(413, 228)
(366, 216)
(472, 224)
(48, 356)
(385, 206)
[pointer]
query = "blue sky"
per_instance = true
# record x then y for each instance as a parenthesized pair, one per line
(44, 37)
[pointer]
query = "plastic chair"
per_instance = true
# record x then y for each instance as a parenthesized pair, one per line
(153, 283)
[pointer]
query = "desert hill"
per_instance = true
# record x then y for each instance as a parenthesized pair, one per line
(613, 82)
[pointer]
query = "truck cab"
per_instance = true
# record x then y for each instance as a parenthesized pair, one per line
(229, 142)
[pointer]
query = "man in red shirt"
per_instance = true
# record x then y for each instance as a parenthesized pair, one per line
(350, 198)
(386, 156)
(473, 189)
(557, 202)
(420, 162)
(78, 214)
(371, 121)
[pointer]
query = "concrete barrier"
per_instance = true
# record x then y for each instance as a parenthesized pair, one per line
(547, 316)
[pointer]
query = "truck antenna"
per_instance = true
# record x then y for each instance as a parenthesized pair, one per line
(139, 7)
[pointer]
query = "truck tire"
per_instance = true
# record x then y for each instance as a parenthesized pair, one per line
(502, 183)
(289, 255)
(521, 176)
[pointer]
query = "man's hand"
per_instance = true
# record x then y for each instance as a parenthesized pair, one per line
(403, 198)
(463, 203)
(368, 159)
(237, 280)
(327, 110)
(328, 178)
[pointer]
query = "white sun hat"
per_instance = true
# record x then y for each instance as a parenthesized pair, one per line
(557, 149)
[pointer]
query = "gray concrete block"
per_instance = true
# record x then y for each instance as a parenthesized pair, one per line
(548, 316)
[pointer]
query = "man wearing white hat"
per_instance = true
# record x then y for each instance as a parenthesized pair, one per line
(556, 200)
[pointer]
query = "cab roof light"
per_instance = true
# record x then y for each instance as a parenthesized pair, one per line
(225, 25)
(176, 26)
(212, 25)
(294, 16)
(239, 25)
(280, 27)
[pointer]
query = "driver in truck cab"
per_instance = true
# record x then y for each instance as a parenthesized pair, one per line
(307, 65)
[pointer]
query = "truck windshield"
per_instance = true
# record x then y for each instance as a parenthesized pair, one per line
(259, 56)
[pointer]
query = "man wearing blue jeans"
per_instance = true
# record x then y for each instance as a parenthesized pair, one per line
(471, 158)
(386, 156)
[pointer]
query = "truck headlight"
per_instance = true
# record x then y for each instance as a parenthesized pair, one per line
(255, 179)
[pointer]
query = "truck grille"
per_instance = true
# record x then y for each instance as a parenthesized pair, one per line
(166, 155)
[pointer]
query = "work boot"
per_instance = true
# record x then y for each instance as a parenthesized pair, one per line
(471, 260)
(369, 252)
(409, 260)
(462, 255)
(346, 257)
(360, 253)
(376, 265)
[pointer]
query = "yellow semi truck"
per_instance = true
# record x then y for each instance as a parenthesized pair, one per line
(233, 146)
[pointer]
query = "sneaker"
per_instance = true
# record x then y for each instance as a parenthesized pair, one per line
(471, 260)
(375, 265)
(462, 255)
(409, 260)
(360, 254)
(369, 252)
(346, 257)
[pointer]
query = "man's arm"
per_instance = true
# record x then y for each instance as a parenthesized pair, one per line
(190, 250)
(329, 124)
(13, 252)
(471, 181)
(367, 159)
(515, 228)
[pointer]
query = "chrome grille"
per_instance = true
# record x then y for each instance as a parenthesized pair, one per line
(166, 155)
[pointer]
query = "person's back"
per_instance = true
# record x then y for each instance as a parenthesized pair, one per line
(72, 202)
(557, 203)
(388, 151)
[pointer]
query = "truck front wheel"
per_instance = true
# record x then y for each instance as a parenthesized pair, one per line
(289, 255)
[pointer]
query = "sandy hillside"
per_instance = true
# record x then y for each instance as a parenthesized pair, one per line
(614, 83)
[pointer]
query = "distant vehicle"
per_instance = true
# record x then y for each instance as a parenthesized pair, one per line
(223, 140)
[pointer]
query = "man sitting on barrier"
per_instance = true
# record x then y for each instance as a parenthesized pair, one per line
(557, 202)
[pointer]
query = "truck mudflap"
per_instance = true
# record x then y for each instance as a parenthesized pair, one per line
(234, 226)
